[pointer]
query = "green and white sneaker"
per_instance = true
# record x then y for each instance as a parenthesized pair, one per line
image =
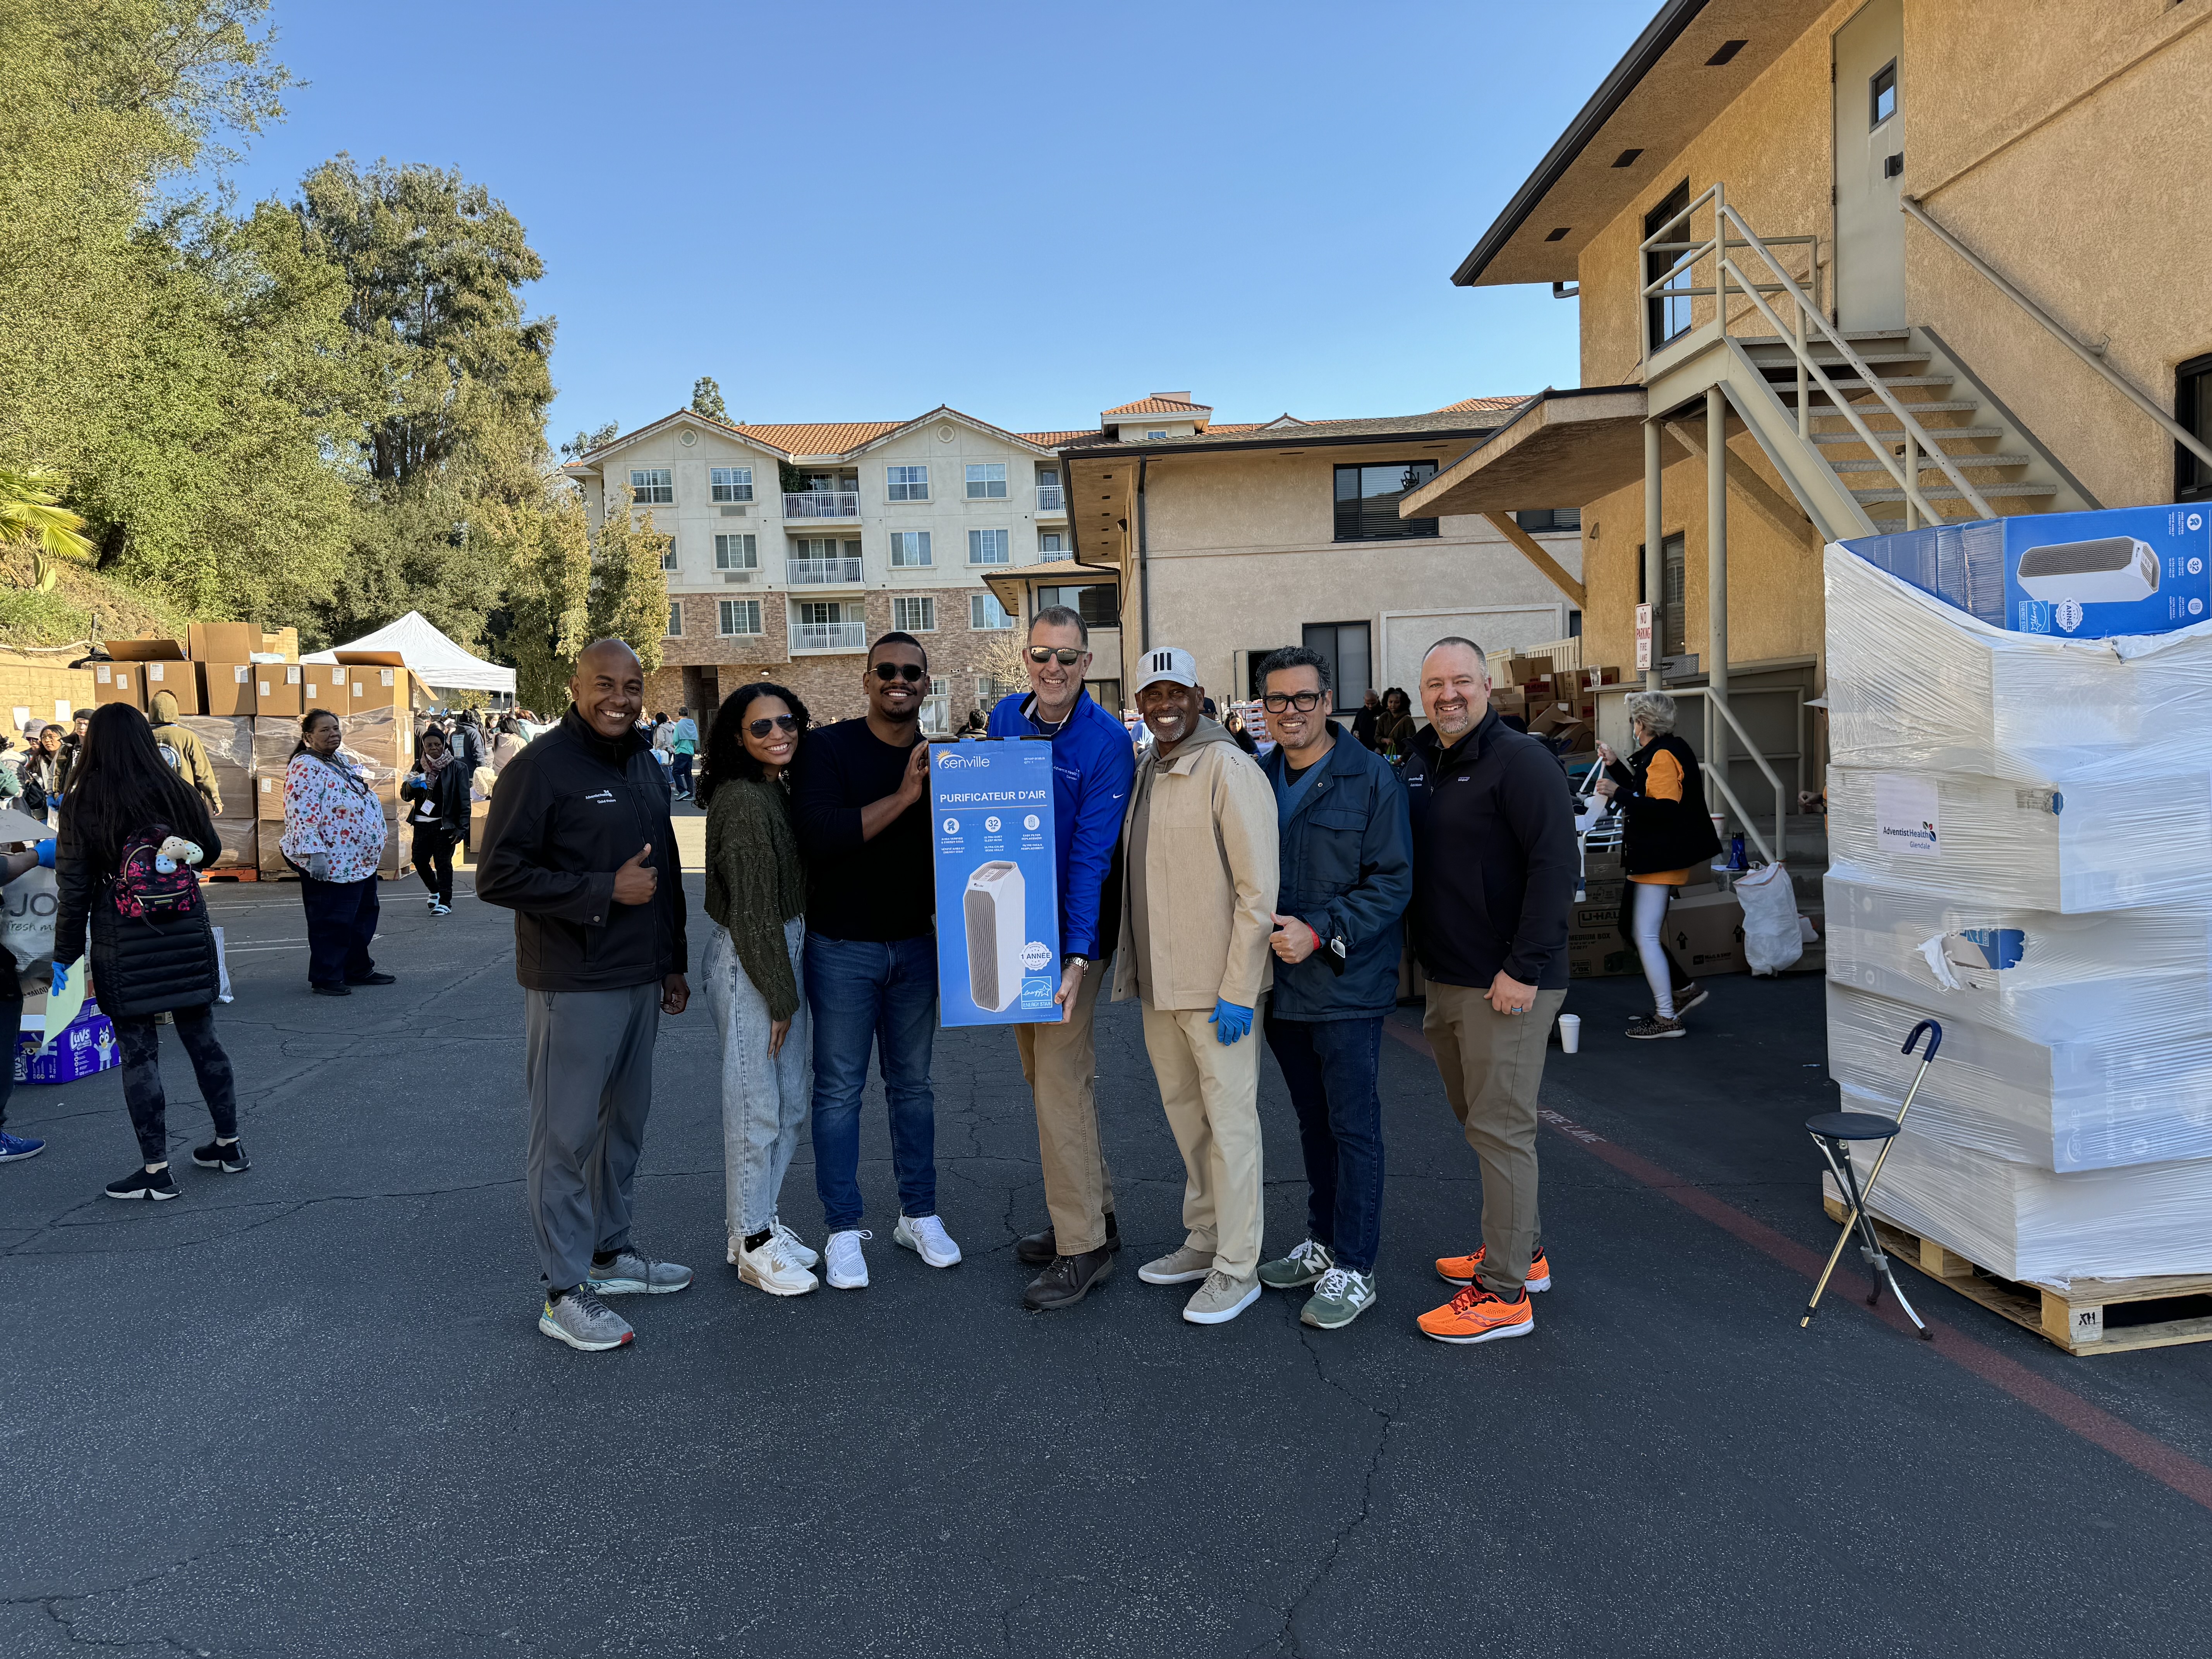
(1300, 1268)
(1340, 1297)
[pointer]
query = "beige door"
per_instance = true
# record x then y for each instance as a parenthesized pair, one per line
(1871, 168)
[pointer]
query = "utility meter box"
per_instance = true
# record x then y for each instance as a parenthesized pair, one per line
(998, 895)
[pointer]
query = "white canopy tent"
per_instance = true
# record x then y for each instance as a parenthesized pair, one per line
(429, 656)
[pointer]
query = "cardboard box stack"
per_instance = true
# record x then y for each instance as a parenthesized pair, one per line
(2018, 853)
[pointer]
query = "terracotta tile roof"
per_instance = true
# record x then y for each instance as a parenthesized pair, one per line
(1053, 439)
(819, 437)
(1162, 406)
(1467, 405)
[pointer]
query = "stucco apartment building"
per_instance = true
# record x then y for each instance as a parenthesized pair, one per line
(796, 545)
(1987, 223)
(1231, 540)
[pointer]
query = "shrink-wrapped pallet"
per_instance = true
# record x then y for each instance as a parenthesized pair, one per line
(240, 847)
(228, 741)
(2079, 1104)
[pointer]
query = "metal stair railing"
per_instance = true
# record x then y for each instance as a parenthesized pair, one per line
(2065, 337)
(1716, 770)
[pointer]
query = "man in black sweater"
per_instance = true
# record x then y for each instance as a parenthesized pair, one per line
(859, 799)
(576, 844)
(1494, 879)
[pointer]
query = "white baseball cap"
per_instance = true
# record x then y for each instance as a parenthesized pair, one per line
(1176, 667)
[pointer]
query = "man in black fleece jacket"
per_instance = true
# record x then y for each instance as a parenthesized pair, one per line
(1494, 879)
(579, 845)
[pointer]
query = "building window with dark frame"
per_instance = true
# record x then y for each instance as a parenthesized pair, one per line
(2192, 408)
(1367, 498)
(1097, 603)
(1664, 318)
(1542, 519)
(1671, 618)
(1345, 648)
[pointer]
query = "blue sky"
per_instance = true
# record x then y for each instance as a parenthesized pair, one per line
(1031, 212)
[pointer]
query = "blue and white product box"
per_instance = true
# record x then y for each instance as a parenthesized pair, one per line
(2070, 575)
(85, 1047)
(998, 893)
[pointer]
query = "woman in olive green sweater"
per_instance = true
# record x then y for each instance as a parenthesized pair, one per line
(756, 897)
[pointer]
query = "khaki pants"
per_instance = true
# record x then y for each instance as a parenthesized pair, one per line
(1212, 1093)
(1059, 1063)
(1492, 1064)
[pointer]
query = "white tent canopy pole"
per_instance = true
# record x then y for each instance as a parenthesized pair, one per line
(429, 656)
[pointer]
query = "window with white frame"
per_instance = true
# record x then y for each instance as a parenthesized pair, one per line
(1049, 542)
(668, 555)
(730, 484)
(1162, 434)
(985, 614)
(909, 549)
(986, 481)
(652, 486)
(917, 616)
(817, 613)
(986, 547)
(675, 619)
(737, 552)
(741, 617)
(906, 483)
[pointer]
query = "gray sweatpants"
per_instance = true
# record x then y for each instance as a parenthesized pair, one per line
(589, 1067)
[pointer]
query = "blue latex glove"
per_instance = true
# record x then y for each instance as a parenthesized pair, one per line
(47, 852)
(61, 973)
(1230, 1023)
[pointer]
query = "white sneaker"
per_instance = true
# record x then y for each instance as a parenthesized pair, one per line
(848, 1268)
(794, 1248)
(769, 1269)
(441, 910)
(925, 1237)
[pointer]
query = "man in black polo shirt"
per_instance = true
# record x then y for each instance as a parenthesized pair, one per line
(859, 797)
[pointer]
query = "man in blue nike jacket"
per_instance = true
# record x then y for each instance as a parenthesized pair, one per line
(1092, 764)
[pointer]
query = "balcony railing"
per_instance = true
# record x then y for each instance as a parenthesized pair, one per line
(823, 504)
(829, 636)
(816, 573)
(1050, 499)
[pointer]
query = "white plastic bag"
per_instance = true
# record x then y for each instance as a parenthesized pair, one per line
(221, 969)
(1771, 938)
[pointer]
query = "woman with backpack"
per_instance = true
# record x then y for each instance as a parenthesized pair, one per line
(132, 833)
(440, 817)
(334, 838)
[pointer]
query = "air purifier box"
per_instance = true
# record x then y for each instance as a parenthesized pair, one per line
(2073, 575)
(998, 894)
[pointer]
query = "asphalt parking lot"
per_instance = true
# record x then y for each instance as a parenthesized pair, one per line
(306, 1410)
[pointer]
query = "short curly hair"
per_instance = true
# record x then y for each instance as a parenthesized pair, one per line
(1655, 709)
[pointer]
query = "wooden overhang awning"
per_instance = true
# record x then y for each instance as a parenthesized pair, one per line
(1006, 585)
(1563, 449)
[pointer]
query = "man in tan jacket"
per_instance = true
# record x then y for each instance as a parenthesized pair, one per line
(183, 750)
(1198, 854)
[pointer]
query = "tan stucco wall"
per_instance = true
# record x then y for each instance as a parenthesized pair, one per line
(1242, 556)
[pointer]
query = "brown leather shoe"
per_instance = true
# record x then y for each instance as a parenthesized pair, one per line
(1038, 1249)
(1068, 1279)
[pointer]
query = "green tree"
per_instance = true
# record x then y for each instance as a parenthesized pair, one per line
(584, 442)
(707, 399)
(630, 589)
(548, 552)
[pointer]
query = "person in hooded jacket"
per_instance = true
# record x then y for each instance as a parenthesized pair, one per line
(187, 757)
(151, 946)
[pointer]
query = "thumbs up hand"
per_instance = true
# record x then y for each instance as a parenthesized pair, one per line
(636, 882)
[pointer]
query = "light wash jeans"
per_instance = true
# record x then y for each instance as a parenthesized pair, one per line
(764, 1101)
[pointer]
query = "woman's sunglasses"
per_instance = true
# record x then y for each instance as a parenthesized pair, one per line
(888, 672)
(762, 727)
(1068, 656)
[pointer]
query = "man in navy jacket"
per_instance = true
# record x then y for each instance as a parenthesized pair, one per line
(1092, 764)
(1347, 873)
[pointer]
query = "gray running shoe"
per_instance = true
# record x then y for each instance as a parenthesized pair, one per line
(1340, 1297)
(1304, 1264)
(584, 1322)
(632, 1274)
(1178, 1267)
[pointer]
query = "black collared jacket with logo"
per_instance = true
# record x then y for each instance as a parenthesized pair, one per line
(567, 813)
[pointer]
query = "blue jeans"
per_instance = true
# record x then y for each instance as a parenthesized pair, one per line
(867, 993)
(1330, 1067)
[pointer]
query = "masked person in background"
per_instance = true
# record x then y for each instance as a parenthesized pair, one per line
(439, 798)
(1199, 857)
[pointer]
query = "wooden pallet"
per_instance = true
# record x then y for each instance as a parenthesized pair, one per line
(235, 873)
(2074, 1315)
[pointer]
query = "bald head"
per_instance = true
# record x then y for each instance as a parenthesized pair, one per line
(609, 687)
(1454, 687)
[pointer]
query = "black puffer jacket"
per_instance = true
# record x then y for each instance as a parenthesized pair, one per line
(1663, 834)
(139, 966)
(568, 812)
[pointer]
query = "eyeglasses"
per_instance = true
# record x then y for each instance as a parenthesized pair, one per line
(888, 672)
(762, 727)
(1068, 655)
(1305, 702)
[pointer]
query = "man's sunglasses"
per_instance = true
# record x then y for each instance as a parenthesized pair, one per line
(1067, 655)
(762, 727)
(888, 672)
(1305, 702)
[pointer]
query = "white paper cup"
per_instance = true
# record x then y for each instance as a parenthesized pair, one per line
(1570, 1033)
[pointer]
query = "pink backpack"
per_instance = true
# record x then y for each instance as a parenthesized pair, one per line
(144, 892)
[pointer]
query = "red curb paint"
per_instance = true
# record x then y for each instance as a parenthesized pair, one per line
(2152, 1457)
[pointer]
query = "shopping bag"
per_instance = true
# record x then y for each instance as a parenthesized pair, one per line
(1772, 938)
(28, 928)
(221, 969)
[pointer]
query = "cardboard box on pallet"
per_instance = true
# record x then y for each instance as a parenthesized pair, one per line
(269, 797)
(228, 741)
(1705, 930)
(268, 852)
(284, 645)
(279, 690)
(221, 641)
(119, 682)
(274, 737)
(181, 680)
(240, 843)
(326, 687)
(226, 688)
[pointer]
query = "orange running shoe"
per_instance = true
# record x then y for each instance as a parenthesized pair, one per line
(1462, 1269)
(1475, 1315)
